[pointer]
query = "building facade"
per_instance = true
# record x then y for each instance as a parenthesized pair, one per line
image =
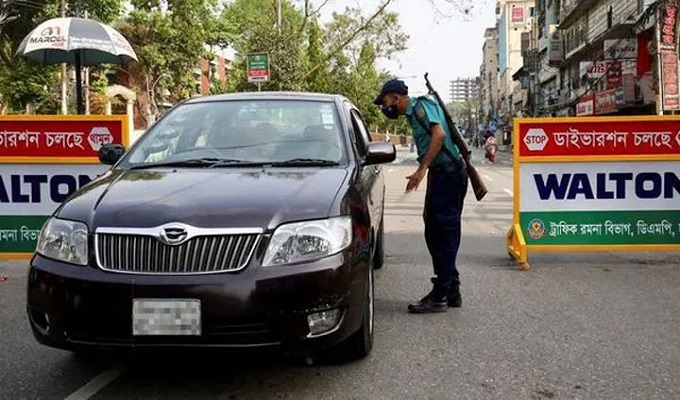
(549, 57)
(587, 57)
(514, 24)
(463, 89)
(598, 73)
(488, 73)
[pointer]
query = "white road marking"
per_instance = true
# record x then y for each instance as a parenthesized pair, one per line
(488, 178)
(508, 191)
(390, 170)
(98, 383)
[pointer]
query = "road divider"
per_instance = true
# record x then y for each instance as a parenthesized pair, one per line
(595, 184)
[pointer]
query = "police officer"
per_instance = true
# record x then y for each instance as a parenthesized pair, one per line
(447, 184)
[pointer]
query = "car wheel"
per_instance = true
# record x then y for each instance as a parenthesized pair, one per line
(360, 343)
(379, 256)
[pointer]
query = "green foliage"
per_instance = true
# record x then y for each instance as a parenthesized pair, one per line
(339, 57)
(23, 82)
(252, 24)
(170, 45)
(169, 37)
(319, 78)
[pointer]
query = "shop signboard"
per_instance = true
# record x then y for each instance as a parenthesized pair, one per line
(605, 102)
(586, 106)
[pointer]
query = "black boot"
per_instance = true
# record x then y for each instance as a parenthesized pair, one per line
(454, 298)
(435, 301)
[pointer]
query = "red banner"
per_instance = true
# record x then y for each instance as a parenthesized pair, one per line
(602, 138)
(58, 136)
(669, 26)
(258, 72)
(669, 72)
(605, 102)
(586, 106)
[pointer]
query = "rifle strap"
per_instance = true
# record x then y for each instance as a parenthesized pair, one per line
(446, 150)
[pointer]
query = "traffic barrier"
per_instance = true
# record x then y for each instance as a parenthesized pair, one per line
(595, 184)
(43, 160)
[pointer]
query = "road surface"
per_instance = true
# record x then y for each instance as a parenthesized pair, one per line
(592, 326)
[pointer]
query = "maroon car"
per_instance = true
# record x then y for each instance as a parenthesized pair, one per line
(243, 220)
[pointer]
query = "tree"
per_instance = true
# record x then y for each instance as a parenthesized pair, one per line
(252, 25)
(169, 38)
(317, 62)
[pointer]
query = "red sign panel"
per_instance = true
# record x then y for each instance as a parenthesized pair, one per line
(601, 138)
(669, 72)
(614, 78)
(668, 26)
(258, 72)
(586, 106)
(605, 102)
(517, 15)
(58, 137)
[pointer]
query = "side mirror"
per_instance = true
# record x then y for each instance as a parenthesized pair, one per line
(380, 153)
(109, 154)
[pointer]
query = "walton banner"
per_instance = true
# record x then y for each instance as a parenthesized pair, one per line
(44, 159)
(29, 194)
(596, 183)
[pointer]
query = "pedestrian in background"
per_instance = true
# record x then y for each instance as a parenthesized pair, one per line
(447, 185)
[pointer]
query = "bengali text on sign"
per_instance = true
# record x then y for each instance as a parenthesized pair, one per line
(613, 138)
(57, 138)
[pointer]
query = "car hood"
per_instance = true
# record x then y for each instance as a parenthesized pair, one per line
(208, 198)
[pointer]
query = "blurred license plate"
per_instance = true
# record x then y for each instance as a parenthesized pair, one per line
(166, 317)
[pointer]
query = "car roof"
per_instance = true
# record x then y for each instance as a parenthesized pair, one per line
(249, 96)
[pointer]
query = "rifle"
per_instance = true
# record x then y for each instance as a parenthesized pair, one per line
(476, 180)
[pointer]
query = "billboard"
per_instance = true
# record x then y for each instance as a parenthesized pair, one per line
(44, 159)
(595, 183)
(59, 138)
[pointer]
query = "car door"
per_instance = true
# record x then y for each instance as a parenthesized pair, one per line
(371, 174)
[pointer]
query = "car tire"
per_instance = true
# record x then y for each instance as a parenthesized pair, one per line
(379, 256)
(360, 344)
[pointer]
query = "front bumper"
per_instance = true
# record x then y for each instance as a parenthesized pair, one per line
(74, 307)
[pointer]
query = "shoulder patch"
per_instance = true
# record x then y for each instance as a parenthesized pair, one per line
(420, 113)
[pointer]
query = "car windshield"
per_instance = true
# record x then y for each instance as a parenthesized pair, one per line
(232, 133)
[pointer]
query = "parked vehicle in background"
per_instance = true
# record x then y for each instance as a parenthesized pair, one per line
(242, 220)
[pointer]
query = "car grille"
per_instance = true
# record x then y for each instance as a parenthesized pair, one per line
(200, 254)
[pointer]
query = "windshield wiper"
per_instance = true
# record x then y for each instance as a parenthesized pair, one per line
(306, 162)
(194, 162)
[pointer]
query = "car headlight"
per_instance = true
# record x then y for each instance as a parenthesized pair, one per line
(64, 241)
(304, 241)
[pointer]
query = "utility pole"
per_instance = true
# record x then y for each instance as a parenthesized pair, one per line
(64, 71)
(86, 70)
(278, 15)
(278, 25)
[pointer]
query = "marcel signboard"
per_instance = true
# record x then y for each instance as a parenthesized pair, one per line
(43, 160)
(595, 183)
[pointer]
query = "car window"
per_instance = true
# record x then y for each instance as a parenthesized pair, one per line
(363, 137)
(251, 131)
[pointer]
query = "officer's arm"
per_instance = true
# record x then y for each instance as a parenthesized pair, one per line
(429, 117)
(437, 136)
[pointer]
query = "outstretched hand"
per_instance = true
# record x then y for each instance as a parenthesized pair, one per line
(414, 180)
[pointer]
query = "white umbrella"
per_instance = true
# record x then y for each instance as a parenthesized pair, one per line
(77, 41)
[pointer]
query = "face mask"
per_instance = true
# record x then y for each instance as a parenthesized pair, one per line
(391, 111)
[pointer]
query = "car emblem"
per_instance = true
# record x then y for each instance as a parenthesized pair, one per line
(173, 235)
